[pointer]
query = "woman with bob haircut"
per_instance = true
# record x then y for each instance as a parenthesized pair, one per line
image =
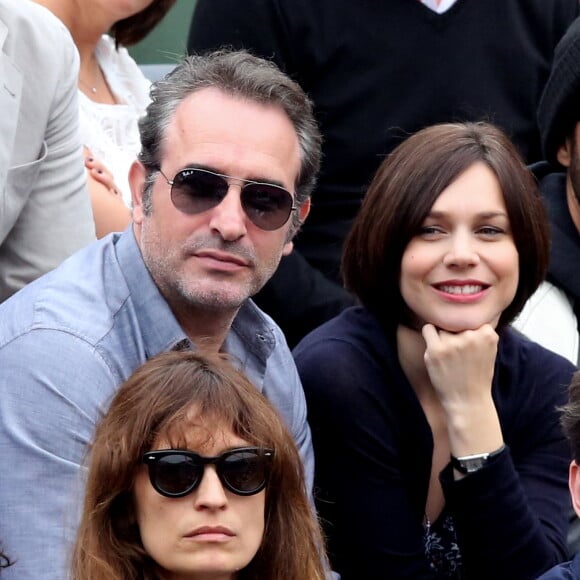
(113, 95)
(193, 475)
(438, 448)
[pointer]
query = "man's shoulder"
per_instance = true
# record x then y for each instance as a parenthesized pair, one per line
(551, 179)
(566, 571)
(81, 297)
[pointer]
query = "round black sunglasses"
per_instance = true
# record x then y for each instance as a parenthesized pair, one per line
(194, 191)
(177, 472)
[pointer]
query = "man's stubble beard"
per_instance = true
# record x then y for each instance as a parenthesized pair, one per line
(167, 267)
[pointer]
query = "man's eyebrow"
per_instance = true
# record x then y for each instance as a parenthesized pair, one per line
(245, 179)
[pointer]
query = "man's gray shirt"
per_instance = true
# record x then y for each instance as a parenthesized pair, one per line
(67, 341)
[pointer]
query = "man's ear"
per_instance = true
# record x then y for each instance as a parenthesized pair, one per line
(287, 249)
(574, 485)
(564, 153)
(137, 176)
(304, 210)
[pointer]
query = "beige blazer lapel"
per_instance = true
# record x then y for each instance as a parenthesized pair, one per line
(10, 94)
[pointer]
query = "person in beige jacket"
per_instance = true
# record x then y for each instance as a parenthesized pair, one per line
(45, 213)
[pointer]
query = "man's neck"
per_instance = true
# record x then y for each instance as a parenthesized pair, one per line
(207, 329)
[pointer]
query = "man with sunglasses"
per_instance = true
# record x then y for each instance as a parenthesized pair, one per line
(230, 151)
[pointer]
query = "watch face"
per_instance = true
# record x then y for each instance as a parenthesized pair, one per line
(475, 464)
(469, 464)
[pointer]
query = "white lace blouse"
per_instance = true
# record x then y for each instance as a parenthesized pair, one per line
(111, 131)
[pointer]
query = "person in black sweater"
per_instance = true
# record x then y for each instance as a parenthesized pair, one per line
(553, 313)
(435, 427)
(571, 425)
(377, 72)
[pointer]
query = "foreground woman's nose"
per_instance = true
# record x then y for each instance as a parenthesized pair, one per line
(210, 493)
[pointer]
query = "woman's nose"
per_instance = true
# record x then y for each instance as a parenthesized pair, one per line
(462, 251)
(210, 493)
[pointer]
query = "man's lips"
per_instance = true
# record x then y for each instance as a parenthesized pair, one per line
(224, 258)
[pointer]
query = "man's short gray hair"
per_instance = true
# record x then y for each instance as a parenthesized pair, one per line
(239, 74)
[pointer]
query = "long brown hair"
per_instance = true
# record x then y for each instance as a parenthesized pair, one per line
(155, 402)
(402, 193)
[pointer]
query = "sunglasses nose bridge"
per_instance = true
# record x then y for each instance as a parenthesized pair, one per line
(228, 215)
(210, 491)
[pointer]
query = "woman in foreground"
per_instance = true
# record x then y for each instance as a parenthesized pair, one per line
(193, 475)
(438, 448)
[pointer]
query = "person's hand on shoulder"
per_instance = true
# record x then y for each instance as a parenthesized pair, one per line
(109, 211)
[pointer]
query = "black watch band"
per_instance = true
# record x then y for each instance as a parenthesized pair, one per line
(472, 463)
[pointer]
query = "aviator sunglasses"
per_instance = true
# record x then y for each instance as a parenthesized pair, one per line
(193, 191)
(176, 473)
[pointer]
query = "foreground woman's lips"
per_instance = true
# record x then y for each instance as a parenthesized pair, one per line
(211, 533)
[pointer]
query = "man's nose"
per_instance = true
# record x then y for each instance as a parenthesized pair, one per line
(228, 217)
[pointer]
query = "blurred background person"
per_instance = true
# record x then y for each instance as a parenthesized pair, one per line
(571, 426)
(45, 213)
(377, 72)
(113, 94)
(194, 475)
(552, 315)
(447, 416)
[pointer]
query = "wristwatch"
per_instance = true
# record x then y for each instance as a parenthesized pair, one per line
(472, 463)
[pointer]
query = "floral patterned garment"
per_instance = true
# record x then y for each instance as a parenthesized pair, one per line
(441, 547)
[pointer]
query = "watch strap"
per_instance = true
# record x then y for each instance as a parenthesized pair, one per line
(471, 463)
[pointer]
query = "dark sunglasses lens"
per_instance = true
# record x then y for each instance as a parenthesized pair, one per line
(195, 191)
(175, 475)
(244, 472)
(268, 207)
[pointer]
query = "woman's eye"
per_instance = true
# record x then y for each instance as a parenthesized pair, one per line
(430, 231)
(490, 231)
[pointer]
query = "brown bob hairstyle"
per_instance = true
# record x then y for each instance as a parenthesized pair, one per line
(131, 30)
(402, 193)
(157, 402)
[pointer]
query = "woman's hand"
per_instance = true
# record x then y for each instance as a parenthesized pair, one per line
(460, 367)
(99, 172)
(109, 211)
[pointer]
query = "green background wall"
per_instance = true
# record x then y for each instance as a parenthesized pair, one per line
(167, 43)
